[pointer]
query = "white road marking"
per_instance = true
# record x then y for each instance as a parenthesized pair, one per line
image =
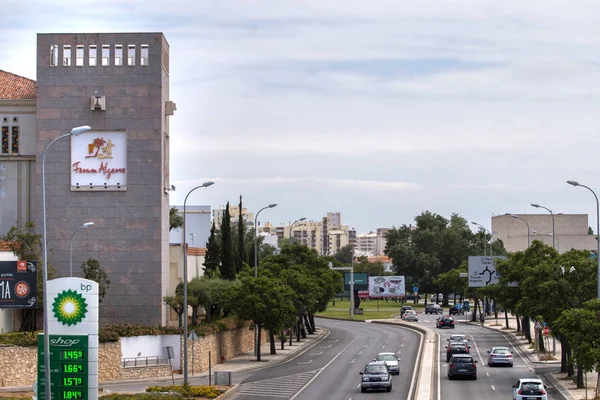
(366, 345)
(359, 353)
(325, 347)
(487, 374)
(305, 362)
(352, 362)
(315, 354)
(336, 340)
(493, 388)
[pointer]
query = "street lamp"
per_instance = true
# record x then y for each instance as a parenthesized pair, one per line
(557, 242)
(292, 226)
(256, 344)
(524, 220)
(552, 214)
(185, 282)
(485, 239)
(74, 132)
(86, 225)
(575, 183)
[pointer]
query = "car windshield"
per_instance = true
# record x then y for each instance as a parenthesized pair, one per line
(387, 357)
(375, 369)
(501, 351)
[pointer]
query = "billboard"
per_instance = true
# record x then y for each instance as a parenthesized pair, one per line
(482, 270)
(386, 286)
(18, 284)
(360, 281)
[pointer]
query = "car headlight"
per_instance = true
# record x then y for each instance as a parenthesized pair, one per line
(365, 379)
(385, 378)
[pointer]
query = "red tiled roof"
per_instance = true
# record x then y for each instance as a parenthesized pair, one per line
(15, 87)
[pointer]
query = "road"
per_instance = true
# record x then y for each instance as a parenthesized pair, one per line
(331, 368)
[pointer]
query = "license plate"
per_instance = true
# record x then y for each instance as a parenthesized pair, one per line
(462, 370)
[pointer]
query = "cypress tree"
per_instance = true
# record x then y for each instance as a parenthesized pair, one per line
(241, 248)
(213, 253)
(227, 262)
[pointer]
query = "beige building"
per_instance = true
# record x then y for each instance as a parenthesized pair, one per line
(326, 236)
(371, 243)
(571, 231)
(234, 212)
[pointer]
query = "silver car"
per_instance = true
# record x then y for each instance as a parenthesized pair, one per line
(410, 315)
(391, 360)
(500, 355)
(376, 376)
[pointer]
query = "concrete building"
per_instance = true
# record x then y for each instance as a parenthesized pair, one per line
(116, 175)
(234, 212)
(571, 231)
(326, 236)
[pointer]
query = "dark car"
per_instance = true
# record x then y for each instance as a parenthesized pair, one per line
(433, 309)
(445, 320)
(455, 310)
(411, 296)
(462, 365)
(376, 375)
(456, 348)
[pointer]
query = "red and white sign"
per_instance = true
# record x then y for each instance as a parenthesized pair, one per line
(546, 331)
(99, 161)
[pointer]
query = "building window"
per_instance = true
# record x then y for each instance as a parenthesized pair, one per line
(131, 54)
(93, 55)
(79, 56)
(54, 55)
(105, 55)
(67, 56)
(5, 140)
(15, 140)
(118, 55)
(144, 51)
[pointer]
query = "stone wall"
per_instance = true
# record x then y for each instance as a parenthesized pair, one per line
(18, 365)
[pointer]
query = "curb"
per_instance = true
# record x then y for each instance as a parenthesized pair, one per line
(564, 392)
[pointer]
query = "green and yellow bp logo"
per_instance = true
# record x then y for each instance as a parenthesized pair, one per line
(69, 307)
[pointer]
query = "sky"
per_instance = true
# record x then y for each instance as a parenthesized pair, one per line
(378, 109)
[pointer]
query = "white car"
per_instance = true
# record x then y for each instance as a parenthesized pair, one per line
(459, 338)
(529, 388)
(410, 315)
(391, 360)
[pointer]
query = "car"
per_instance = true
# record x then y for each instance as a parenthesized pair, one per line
(500, 355)
(456, 310)
(529, 388)
(444, 320)
(410, 315)
(456, 348)
(433, 309)
(391, 360)
(404, 309)
(376, 375)
(462, 365)
(459, 338)
(411, 296)
(437, 297)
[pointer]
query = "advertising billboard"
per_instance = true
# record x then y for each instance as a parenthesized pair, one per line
(18, 284)
(482, 270)
(386, 286)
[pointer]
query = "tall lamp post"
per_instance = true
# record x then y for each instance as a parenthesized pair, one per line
(86, 225)
(256, 344)
(575, 183)
(292, 226)
(185, 284)
(485, 240)
(552, 214)
(528, 229)
(74, 132)
(557, 242)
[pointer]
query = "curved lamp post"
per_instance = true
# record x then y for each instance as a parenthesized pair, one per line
(74, 132)
(552, 214)
(86, 225)
(485, 240)
(185, 282)
(292, 226)
(256, 344)
(575, 183)
(528, 229)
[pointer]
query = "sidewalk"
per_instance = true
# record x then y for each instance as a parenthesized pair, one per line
(243, 362)
(559, 380)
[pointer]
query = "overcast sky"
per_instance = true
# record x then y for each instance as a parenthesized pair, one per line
(377, 109)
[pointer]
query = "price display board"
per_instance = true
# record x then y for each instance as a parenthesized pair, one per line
(68, 367)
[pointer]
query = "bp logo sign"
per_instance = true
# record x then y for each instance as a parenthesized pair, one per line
(69, 307)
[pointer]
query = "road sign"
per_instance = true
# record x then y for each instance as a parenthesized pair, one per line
(538, 325)
(546, 331)
(416, 289)
(482, 270)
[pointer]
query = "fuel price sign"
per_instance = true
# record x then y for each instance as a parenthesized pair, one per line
(68, 367)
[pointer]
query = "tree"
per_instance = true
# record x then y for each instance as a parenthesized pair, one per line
(241, 246)
(93, 271)
(176, 302)
(227, 262)
(207, 294)
(344, 255)
(363, 264)
(212, 259)
(175, 220)
(26, 244)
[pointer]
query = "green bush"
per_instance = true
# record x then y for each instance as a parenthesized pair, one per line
(139, 396)
(23, 339)
(205, 392)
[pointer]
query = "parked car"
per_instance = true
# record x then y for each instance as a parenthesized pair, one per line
(456, 348)
(529, 388)
(376, 375)
(404, 309)
(433, 309)
(456, 310)
(437, 298)
(411, 296)
(391, 360)
(462, 365)
(444, 320)
(410, 315)
(500, 355)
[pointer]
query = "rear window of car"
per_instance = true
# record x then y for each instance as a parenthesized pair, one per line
(387, 358)
(501, 351)
(462, 360)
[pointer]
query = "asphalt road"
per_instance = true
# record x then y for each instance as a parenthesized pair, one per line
(330, 370)
(492, 382)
